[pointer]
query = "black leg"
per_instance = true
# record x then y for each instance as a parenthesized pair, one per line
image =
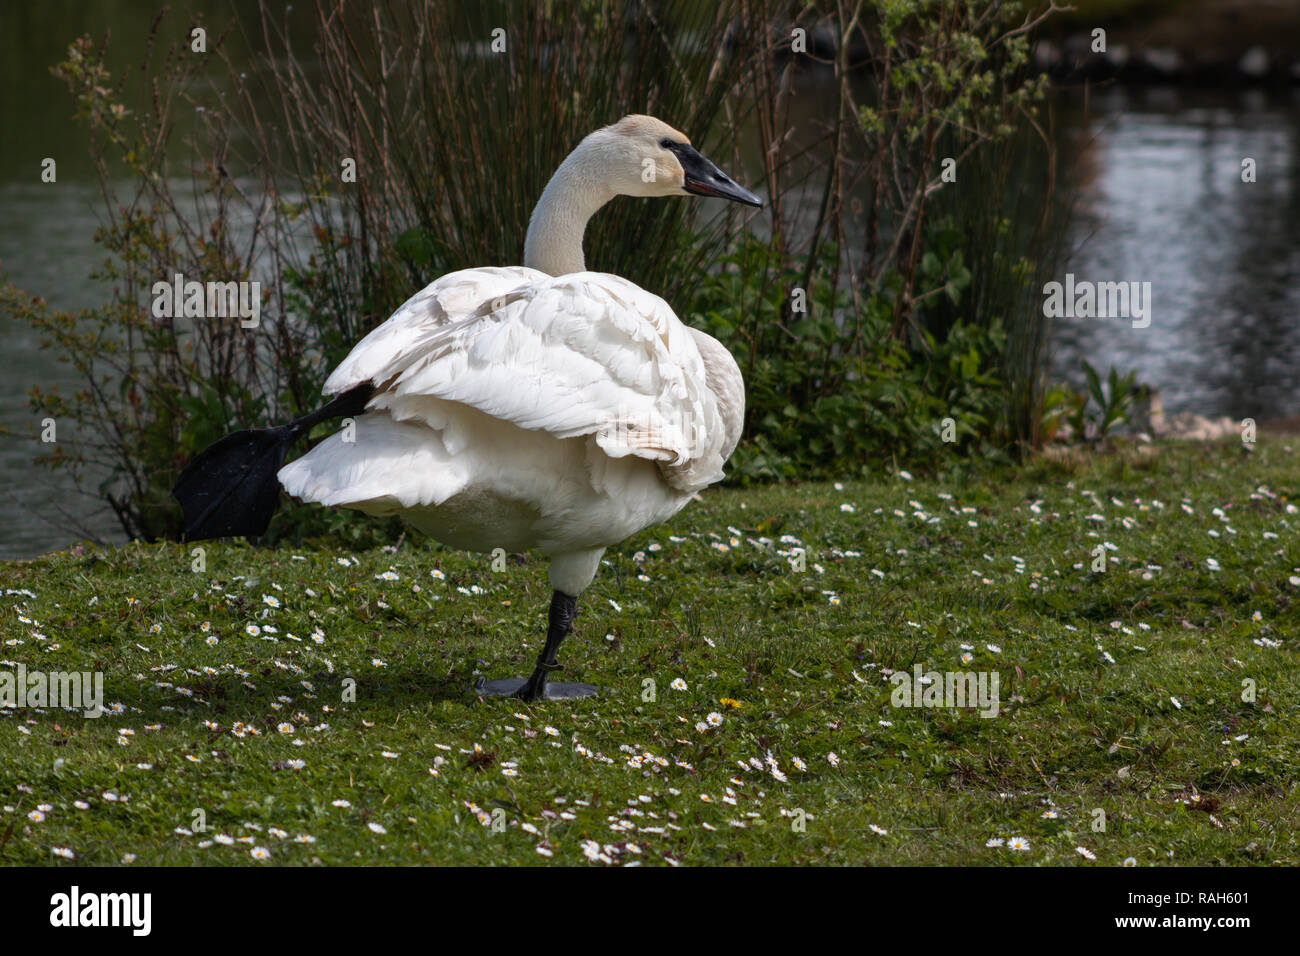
(560, 624)
(537, 687)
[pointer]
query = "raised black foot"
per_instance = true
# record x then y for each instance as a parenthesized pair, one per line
(517, 687)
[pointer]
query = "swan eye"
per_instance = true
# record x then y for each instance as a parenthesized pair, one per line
(666, 143)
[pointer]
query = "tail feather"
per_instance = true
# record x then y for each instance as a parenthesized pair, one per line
(230, 488)
(386, 466)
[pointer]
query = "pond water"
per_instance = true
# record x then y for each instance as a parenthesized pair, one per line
(1161, 201)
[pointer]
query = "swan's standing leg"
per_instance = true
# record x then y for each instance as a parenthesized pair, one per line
(564, 609)
(559, 625)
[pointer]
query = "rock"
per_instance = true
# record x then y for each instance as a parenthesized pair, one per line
(1254, 63)
(1155, 412)
(1163, 60)
(1046, 55)
(1189, 426)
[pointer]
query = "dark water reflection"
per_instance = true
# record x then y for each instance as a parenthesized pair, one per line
(1162, 200)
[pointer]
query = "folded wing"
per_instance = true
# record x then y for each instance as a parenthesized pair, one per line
(574, 355)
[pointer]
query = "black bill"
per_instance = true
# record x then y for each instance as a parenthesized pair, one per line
(705, 179)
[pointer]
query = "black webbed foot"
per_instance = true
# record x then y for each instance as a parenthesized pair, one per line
(537, 686)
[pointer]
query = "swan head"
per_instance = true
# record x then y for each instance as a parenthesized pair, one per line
(644, 156)
(637, 156)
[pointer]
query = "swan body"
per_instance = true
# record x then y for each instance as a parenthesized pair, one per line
(543, 407)
(523, 411)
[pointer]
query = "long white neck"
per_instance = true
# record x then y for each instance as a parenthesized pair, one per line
(578, 188)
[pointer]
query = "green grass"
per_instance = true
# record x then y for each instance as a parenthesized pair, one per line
(1090, 665)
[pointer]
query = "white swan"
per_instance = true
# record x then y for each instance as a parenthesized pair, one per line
(541, 408)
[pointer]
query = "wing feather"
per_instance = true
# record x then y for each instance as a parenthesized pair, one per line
(387, 350)
(573, 355)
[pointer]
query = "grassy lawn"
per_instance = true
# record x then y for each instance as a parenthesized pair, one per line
(1121, 692)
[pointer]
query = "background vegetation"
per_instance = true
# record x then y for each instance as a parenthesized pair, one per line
(870, 301)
